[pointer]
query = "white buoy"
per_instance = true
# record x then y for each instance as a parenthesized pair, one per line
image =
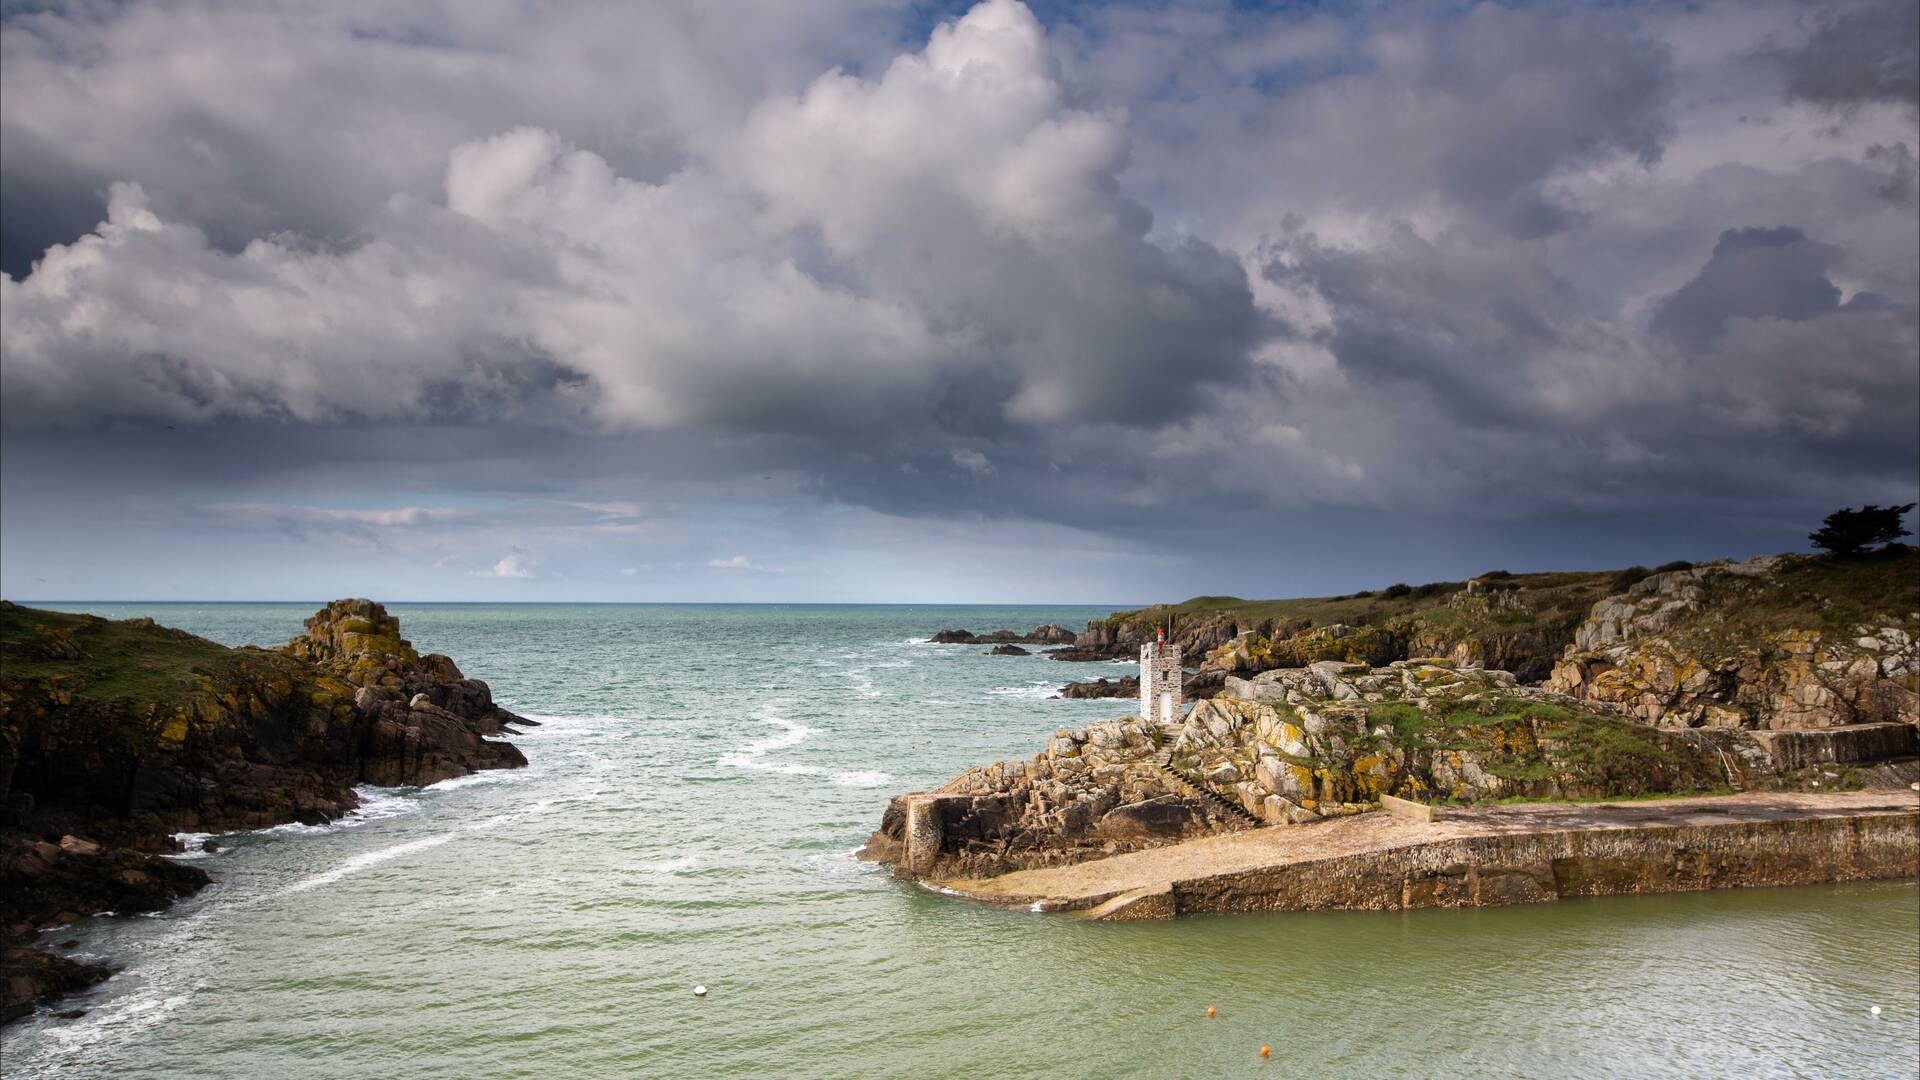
(699, 991)
(1875, 1010)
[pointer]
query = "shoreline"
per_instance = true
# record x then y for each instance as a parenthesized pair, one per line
(1487, 856)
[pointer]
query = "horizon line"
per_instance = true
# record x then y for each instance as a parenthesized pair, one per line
(627, 603)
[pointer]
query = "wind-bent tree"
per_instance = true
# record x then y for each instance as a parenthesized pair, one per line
(1849, 532)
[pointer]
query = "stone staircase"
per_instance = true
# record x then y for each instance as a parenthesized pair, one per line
(1228, 808)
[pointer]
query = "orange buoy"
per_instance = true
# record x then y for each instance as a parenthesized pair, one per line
(1209, 1010)
(1266, 1051)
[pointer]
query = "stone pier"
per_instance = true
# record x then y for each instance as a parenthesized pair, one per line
(1491, 855)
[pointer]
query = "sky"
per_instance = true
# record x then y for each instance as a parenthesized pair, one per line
(878, 301)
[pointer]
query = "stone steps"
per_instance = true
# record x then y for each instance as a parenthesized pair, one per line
(1231, 808)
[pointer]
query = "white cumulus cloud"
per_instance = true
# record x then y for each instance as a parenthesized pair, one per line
(510, 566)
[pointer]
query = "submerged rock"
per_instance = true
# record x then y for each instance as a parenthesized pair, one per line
(29, 977)
(1044, 634)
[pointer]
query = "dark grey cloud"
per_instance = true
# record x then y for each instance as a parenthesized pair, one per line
(1189, 280)
(992, 278)
(1860, 53)
(1754, 273)
(288, 115)
(1399, 109)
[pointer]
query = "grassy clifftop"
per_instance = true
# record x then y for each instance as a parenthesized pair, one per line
(129, 660)
(135, 687)
(1518, 622)
(1816, 589)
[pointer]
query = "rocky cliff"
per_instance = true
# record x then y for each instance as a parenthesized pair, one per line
(116, 735)
(1515, 622)
(1777, 642)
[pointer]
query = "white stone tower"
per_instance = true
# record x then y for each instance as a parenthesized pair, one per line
(1160, 681)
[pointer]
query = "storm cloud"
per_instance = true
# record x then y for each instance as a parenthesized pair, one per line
(614, 299)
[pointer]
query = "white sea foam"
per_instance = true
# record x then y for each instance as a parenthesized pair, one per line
(843, 862)
(862, 682)
(489, 776)
(191, 841)
(753, 755)
(671, 866)
(862, 779)
(1037, 691)
(360, 862)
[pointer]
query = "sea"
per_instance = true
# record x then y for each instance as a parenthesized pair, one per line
(700, 781)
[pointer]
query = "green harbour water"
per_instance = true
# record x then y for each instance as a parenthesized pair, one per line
(701, 779)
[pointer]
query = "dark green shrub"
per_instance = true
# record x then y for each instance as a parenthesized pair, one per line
(1628, 578)
(1849, 532)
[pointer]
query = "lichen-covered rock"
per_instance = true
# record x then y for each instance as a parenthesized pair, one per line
(1332, 736)
(1778, 642)
(1095, 791)
(1253, 652)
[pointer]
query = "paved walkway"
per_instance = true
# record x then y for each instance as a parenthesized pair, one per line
(1279, 846)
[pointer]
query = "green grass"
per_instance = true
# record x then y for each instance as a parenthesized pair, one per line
(131, 660)
(1595, 747)
(1550, 599)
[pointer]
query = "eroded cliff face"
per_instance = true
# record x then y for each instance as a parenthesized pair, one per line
(1776, 642)
(115, 735)
(418, 719)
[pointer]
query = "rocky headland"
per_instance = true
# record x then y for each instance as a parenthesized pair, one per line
(1779, 674)
(116, 735)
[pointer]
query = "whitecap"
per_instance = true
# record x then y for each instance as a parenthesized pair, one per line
(844, 862)
(1037, 691)
(489, 776)
(376, 804)
(861, 779)
(190, 843)
(360, 862)
(751, 755)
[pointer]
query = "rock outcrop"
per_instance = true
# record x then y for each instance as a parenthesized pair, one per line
(1776, 642)
(1197, 684)
(1096, 791)
(1298, 745)
(1292, 745)
(116, 735)
(1044, 634)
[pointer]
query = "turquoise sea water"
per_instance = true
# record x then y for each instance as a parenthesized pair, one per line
(689, 816)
